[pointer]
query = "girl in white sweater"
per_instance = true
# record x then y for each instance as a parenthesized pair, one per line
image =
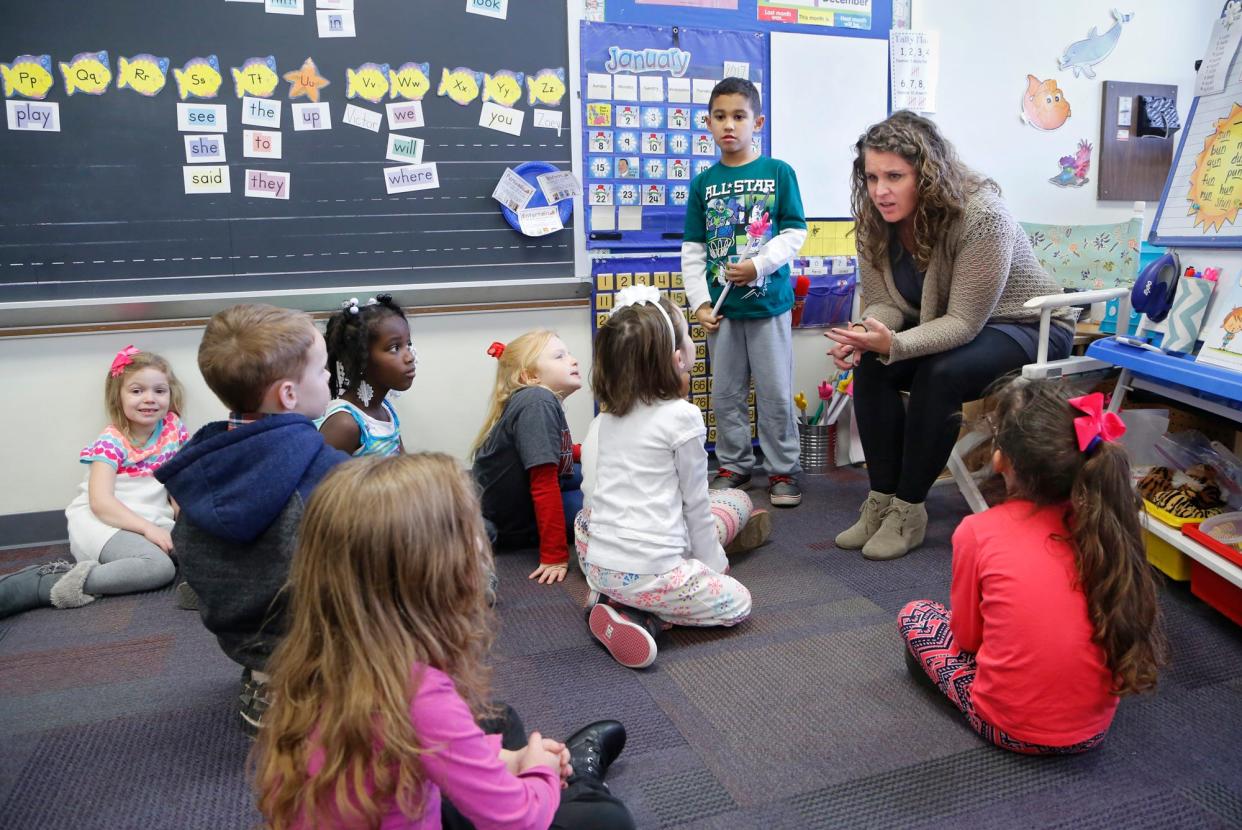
(651, 536)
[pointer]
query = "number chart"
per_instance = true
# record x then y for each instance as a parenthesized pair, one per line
(664, 272)
(645, 96)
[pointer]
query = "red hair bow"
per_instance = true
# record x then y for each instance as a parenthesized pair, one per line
(123, 358)
(1097, 424)
(496, 349)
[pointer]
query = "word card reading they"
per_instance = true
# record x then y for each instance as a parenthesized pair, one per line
(267, 184)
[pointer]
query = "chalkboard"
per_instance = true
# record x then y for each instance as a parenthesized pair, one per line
(98, 209)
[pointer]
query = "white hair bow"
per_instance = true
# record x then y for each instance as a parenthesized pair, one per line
(643, 295)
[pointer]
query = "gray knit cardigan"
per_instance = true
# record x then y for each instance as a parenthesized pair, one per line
(982, 272)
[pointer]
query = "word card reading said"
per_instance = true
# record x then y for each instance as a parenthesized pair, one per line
(214, 179)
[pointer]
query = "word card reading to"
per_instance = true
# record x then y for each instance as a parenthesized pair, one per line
(261, 144)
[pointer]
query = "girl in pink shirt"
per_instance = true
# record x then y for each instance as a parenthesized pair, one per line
(1054, 609)
(380, 681)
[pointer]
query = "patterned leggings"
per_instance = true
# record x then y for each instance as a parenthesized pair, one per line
(690, 594)
(924, 625)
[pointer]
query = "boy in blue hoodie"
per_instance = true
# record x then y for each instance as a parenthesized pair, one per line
(242, 483)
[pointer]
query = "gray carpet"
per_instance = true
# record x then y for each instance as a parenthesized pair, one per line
(120, 714)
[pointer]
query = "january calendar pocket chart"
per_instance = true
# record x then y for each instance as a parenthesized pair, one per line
(645, 123)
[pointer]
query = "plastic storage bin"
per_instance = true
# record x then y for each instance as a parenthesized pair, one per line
(1216, 591)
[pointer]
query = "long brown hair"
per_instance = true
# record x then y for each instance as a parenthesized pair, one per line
(514, 369)
(389, 573)
(1035, 432)
(634, 358)
(944, 185)
(113, 386)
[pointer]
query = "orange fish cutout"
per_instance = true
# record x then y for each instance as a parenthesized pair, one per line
(1043, 105)
(306, 81)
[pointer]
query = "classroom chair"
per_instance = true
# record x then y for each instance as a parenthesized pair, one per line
(1094, 264)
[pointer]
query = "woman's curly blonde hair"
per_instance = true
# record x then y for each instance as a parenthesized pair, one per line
(944, 184)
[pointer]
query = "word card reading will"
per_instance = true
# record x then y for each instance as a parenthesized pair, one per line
(404, 148)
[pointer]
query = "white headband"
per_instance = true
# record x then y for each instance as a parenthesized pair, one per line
(644, 295)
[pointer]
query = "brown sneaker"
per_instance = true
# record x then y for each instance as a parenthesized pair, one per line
(753, 534)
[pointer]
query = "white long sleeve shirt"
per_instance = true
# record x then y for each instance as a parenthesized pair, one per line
(645, 482)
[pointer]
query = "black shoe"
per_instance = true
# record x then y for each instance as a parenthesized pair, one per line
(593, 748)
(252, 704)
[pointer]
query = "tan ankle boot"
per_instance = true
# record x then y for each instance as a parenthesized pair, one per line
(901, 531)
(755, 533)
(868, 523)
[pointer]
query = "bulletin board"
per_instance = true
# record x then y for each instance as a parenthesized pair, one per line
(608, 276)
(645, 94)
(1203, 193)
(97, 207)
(846, 18)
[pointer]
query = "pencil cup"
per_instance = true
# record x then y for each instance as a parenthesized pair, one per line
(817, 445)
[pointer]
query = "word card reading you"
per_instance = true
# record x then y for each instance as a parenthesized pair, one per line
(506, 120)
(200, 148)
(405, 148)
(31, 115)
(261, 144)
(489, 8)
(213, 179)
(261, 112)
(405, 116)
(202, 118)
(267, 184)
(411, 177)
(362, 117)
(312, 116)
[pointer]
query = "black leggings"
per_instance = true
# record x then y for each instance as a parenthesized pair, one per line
(586, 804)
(907, 445)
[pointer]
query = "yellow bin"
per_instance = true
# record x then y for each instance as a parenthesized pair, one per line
(1168, 559)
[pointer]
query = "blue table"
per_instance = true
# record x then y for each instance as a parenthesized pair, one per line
(1174, 376)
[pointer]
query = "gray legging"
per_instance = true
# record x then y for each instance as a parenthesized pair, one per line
(129, 563)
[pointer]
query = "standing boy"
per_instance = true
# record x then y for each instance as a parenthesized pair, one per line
(744, 224)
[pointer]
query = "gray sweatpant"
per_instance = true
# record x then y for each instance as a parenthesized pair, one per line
(762, 349)
(129, 563)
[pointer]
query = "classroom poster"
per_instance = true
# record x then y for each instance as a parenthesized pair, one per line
(608, 276)
(645, 134)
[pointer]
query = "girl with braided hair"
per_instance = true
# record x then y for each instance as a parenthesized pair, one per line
(370, 354)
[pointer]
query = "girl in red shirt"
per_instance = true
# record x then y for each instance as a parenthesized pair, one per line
(1054, 608)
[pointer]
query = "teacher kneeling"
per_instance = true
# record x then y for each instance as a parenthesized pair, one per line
(945, 271)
